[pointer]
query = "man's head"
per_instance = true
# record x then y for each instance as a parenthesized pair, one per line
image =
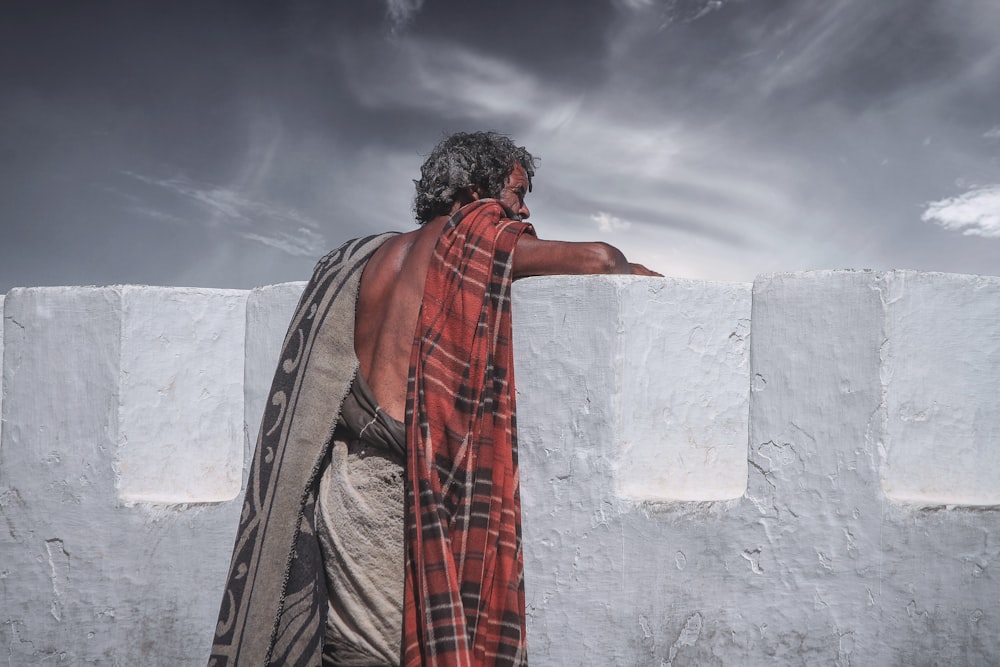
(466, 166)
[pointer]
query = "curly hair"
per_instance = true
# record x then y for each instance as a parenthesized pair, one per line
(481, 161)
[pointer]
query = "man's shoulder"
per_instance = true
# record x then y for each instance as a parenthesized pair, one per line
(355, 250)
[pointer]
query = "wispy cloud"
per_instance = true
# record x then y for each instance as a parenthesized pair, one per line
(974, 213)
(992, 133)
(674, 10)
(157, 214)
(634, 5)
(304, 242)
(664, 175)
(609, 223)
(665, 172)
(276, 226)
(400, 12)
(452, 81)
(602, 149)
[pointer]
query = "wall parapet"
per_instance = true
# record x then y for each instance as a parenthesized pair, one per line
(711, 472)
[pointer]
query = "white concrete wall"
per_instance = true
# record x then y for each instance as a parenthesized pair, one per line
(817, 485)
(269, 310)
(3, 297)
(942, 361)
(815, 563)
(180, 416)
(122, 409)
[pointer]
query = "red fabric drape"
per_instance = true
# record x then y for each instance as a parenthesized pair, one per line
(464, 586)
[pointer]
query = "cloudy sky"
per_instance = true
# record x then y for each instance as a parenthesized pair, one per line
(229, 144)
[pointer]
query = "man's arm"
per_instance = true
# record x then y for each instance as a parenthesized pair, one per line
(535, 257)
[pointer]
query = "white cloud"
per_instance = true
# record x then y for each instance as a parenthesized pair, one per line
(601, 151)
(636, 5)
(708, 8)
(156, 214)
(992, 133)
(227, 203)
(975, 213)
(662, 174)
(401, 11)
(303, 243)
(609, 223)
(231, 206)
(451, 81)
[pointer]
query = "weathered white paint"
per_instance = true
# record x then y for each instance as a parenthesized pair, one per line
(682, 440)
(180, 412)
(673, 440)
(2, 324)
(813, 565)
(86, 578)
(851, 569)
(813, 550)
(941, 369)
(269, 310)
(633, 393)
(613, 580)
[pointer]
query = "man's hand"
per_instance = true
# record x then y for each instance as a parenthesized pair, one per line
(640, 270)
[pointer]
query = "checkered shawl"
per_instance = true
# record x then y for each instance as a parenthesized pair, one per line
(464, 585)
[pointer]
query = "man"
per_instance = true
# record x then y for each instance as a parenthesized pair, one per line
(397, 366)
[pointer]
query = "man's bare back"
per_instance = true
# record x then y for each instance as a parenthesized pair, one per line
(392, 287)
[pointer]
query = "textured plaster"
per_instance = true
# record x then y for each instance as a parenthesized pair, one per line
(269, 310)
(180, 412)
(87, 577)
(2, 324)
(820, 491)
(681, 441)
(814, 564)
(941, 364)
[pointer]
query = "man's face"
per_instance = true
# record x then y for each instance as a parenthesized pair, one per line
(513, 193)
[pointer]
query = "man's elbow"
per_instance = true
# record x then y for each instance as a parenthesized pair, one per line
(608, 259)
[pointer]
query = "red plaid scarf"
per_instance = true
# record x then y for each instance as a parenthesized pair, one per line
(464, 590)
